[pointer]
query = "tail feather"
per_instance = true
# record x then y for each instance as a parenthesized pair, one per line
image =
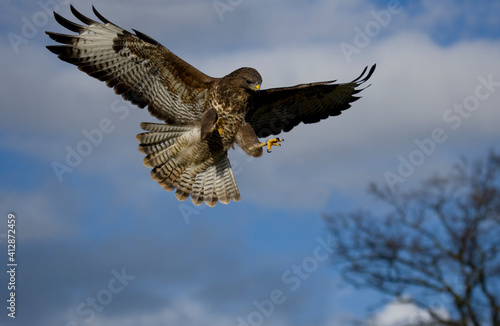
(226, 182)
(159, 137)
(181, 161)
(220, 184)
(185, 184)
(155, 141)
(162, 155)
(198, 189)
(209, 194)
(169, 171)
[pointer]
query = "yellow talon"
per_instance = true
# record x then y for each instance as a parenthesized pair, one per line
(218, 124)
(272, 142)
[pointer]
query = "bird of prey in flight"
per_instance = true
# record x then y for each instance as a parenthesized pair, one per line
(203, 117)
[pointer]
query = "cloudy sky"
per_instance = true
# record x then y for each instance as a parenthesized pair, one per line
(102, 244)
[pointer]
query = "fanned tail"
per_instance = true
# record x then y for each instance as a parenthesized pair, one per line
(181, 161)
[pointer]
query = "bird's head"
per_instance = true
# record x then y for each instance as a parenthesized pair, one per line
(247, 78)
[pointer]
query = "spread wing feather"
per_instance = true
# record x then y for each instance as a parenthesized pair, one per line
(280, 109)
(135, 65)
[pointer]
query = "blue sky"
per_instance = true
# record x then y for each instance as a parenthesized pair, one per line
(436, 83)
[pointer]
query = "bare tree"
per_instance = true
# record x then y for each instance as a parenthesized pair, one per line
(437, 244)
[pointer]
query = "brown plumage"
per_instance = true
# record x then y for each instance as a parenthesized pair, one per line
(204, 116)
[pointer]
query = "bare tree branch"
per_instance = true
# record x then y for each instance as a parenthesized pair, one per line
(439, 241)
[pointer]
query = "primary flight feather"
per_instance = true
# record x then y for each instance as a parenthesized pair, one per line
(204, 116)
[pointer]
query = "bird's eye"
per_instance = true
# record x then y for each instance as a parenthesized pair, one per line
(249, 82)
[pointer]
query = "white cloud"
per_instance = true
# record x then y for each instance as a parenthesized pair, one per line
(400, 314)
(182, 311)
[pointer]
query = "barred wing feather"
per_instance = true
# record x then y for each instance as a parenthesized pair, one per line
(135, 65)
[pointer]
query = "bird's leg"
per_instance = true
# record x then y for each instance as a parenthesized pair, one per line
(270, 143)
(219, 124)
(207, 124)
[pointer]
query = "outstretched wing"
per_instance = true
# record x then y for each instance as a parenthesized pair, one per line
(136, 66)
(280, 109)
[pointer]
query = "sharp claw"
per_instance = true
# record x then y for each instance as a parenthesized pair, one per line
(273, 142)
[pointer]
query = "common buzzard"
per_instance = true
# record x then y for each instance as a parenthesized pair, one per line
(204, 116)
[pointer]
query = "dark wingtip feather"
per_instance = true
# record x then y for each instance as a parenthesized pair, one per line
(68, 24)
(361, 79)
(65, 53)
(370, 73)
(82, 17)
(361, 75)
(49, 47)
(61, 38)
(101, 17)
(58, 49)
